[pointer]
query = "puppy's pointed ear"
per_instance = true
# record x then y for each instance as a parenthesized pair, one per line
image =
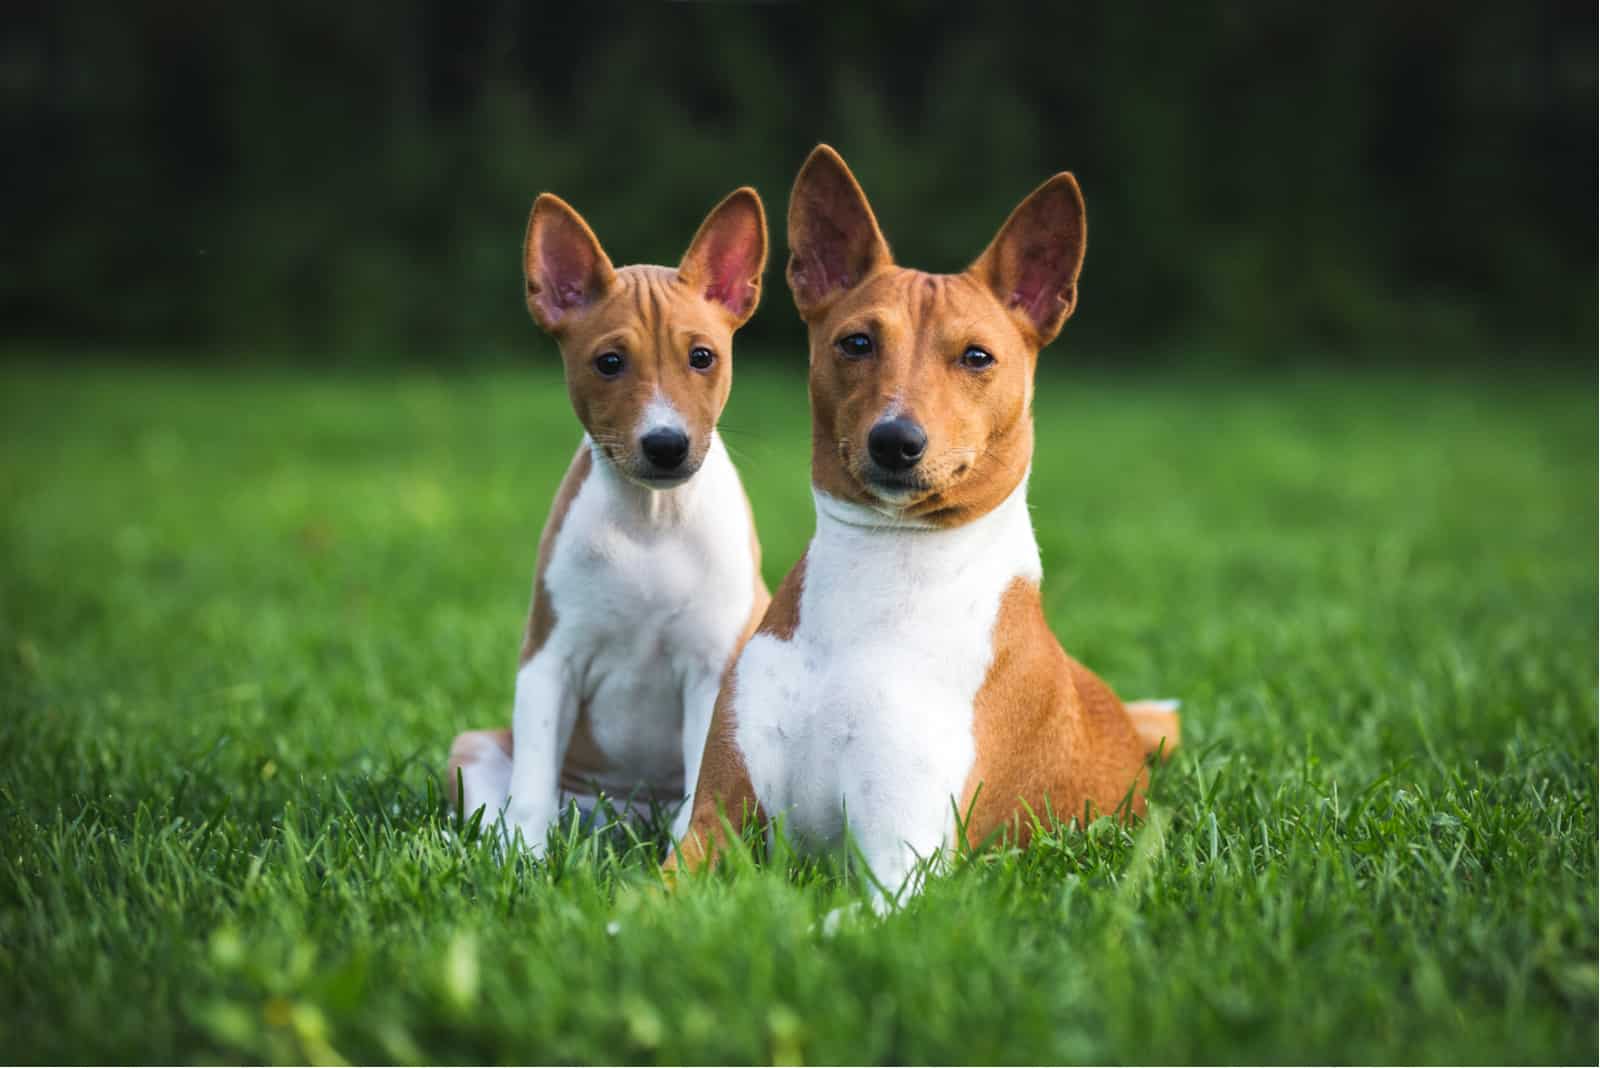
(728, 254)
(1033, 262)
(834, 241)
(563, 264)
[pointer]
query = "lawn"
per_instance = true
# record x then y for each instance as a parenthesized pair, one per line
(242, 614)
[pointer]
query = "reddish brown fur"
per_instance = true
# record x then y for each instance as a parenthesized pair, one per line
(1050, 735)
(652, 316)
(980, 436)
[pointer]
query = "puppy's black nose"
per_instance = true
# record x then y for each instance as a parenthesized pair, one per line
(665, 447)
(897, 444)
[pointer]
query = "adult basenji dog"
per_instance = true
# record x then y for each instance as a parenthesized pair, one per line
(904, 686)
(648, 578)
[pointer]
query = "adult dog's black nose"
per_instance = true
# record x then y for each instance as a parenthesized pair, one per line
(665, 447)
(897, 444)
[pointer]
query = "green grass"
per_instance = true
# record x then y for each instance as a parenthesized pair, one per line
(241, 617)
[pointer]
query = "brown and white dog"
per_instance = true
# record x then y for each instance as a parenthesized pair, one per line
(905, 671)
(648, 579)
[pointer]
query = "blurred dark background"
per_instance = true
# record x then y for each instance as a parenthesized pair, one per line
(349, 180)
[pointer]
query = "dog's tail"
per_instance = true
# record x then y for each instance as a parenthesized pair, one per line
(1157, 724)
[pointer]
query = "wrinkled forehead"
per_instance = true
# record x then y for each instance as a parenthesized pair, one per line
(649, 310)
(908, 306)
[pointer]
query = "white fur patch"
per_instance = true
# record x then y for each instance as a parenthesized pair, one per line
(865, 715)
(660, 414)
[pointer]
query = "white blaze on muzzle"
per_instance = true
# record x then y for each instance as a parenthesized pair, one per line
(659, 414)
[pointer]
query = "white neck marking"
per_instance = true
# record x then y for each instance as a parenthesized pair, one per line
(999, 541)
(867, 709)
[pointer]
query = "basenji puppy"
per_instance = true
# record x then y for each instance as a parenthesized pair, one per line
(904, 684)
(648, 577)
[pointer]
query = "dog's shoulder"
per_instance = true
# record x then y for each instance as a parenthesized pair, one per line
(541, 614)
(1047, 730)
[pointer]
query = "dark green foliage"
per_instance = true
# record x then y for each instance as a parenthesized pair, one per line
(240, 619)
(354, 177)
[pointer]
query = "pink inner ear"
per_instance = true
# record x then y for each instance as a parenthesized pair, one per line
(731, 265)
(1034, 260)
(833, 239)
(823, 263)
(566, 268)
(728, 261)
(1043, 275)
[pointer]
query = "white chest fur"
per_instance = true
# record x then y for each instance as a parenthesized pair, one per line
(651, 591)
(865, 714)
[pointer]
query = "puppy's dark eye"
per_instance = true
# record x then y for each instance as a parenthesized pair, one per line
(855, 346)
(976, 359)
(609, 364)
(701, 357)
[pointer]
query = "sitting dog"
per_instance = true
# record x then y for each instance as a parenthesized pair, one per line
(904, 677)
(648, 578)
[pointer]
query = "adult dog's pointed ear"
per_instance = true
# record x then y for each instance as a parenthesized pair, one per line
(728, 254)
(563, 264)
(1032, 264)
(834, 241)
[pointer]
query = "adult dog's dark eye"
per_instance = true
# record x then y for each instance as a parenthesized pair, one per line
(976, 359)
(855, 346)
(701, 357)
(609, 364)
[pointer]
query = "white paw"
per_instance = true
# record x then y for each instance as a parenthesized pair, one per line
(835, 919)
(529, 825)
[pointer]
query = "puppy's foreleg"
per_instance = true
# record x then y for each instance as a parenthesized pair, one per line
(699, 701)
(541, 724)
